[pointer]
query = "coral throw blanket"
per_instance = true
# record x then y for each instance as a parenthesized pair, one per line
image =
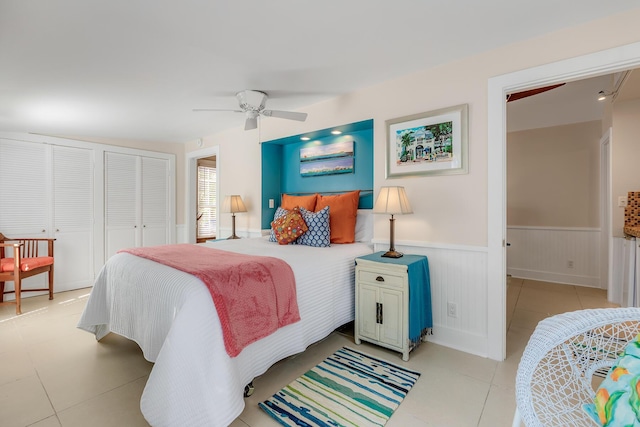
(253, 295)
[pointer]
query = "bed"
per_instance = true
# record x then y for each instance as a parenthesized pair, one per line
(171, 316)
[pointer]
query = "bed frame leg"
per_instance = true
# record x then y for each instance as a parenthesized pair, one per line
(249, 389)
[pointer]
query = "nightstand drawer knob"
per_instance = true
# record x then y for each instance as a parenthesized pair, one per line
(380, 279)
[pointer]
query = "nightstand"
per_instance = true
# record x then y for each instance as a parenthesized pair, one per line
(393, 301)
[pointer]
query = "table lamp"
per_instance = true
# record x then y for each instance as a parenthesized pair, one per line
(393, 201)
(233, 204)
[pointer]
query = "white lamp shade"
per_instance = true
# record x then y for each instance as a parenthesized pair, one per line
(233, 204)
(392, 200)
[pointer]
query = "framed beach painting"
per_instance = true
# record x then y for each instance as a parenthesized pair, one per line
(431, 143)
(329, 159)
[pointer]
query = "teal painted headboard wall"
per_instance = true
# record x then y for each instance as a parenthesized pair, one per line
(271, 177)
(281, 167)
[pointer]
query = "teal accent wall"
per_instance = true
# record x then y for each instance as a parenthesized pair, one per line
(271, 178)
(281, 167)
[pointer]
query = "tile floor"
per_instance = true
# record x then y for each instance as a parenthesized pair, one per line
(52, 374)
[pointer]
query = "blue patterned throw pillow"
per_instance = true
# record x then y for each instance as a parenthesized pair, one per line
(318, 233)
(279, 213)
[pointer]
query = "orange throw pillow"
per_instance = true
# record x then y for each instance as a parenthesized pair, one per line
(343, 209)
(289, 227)
(307, 202)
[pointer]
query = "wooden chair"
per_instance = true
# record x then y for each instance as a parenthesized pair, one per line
(26, 262)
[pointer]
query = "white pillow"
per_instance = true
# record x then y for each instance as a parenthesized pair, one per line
(364, 225)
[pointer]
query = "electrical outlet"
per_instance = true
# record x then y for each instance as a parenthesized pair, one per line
(452, 309)
(570, 264)
(622, 201)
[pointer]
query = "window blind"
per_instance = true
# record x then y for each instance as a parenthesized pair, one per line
(206, 201)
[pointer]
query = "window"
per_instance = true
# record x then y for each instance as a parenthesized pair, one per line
(206, 202)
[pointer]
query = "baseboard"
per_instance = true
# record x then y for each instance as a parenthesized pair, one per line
(459, 340)
(548, 276)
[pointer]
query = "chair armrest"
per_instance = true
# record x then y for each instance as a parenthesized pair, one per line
(10, 245)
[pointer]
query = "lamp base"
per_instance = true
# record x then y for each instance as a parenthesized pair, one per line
(233, 228)
(392, 253)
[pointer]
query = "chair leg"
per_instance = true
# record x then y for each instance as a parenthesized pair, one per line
(517, 421)
(18, 285)
(1, 291)
(51, 283)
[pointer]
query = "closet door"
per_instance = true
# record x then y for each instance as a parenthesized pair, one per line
(24, 180)
(136, 201)
(73, 217)
(25, 209)
(155, 201)
(121, 202)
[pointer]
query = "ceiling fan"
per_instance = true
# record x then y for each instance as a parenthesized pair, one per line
(252, 104)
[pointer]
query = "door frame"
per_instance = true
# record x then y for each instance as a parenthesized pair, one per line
(604, 62)
(606, 242)
(191, 198)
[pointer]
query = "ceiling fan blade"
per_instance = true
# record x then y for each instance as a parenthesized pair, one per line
(525, 93)
(251, 123)
(217, 109)
(290, 115)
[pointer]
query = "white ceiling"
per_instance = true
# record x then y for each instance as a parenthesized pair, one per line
(134, 70)
(575, 102)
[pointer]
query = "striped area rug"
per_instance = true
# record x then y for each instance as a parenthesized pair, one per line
(348, 388)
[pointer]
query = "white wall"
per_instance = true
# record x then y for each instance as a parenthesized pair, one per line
(553, 176)
(553, 204)
(451, 212)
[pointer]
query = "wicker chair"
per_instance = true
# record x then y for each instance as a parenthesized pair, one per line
(26, 261)
(565, 359)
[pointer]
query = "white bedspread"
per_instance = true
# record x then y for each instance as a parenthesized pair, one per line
(171, 316)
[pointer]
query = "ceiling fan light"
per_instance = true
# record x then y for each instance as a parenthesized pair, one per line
(252, 99)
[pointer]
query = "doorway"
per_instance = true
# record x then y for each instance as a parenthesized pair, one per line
(191, 191)
(553, 151)
(604, 62)
(207, 199)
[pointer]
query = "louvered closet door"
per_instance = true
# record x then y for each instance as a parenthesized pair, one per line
(121, 202)
(25, 209)
(25, 205)
(73, 217)
(155, 201)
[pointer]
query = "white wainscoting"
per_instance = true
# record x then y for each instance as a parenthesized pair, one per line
(545, 253)
(459, 275)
